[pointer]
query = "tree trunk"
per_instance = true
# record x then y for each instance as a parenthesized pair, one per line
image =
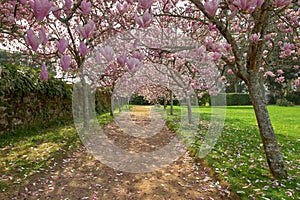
(189, 107)
(86, 111)
(165, 103)
(272, 151)
(171, 103)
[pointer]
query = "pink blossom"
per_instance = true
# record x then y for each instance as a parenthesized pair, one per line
(98, 57)
(11, 19)
(122, 59)
(295, 58)
(242, 4)
(43, 37)
(23, 1)
(145, 20)
(269, 73)
(268, 37)
(32, 39)
(85, 7)
(229, 71)
(62, 45)
(133, 65)
(86, 30)
(254, 37)
(56, 12)
(108, 53)
(279, 43)
(280, 3)
(145, 4)
(261, 69)
(227, 47)
(83, 50)
(122, 8)
(296, 67)
(211, 7)
(216, 56)
(41, 8)
(138, 55)
(279, 79)
(67, 6)
(65, 62)
(44, 73)
(280, 72)
(297, 82)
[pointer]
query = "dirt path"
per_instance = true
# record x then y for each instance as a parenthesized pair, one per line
(80, 176)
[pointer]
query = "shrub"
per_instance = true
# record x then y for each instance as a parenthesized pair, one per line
(284, 102)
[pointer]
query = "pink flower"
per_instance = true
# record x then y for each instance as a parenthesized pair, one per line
(85, 7)
(121, 60)
(269, 73)
(145, 4)
(279, 79)
(133, 65)
(295, 58)
(44, 73)
(62, 45)
(65, 62)
(32, 39)
(261, 69)
(280, 3)
(216, 56)
(229, 71)
(86, 30)
(268, 36)
(41, 8)
(23, 1)
(145, 20)
(138, 55)
(296, 67)
(280, 72)
(98, 57)
(227, 47)
(108, 53)
(254, 37)
(122, 8)
(56, 12)
(43, 36)
(83, 50)
(242, 4)
(67, 6)
(297, 82)
(211, 7)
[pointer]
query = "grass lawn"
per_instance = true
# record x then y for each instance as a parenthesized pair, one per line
(239, 158)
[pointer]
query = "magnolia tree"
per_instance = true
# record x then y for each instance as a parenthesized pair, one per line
(239, 35)
(249, 28)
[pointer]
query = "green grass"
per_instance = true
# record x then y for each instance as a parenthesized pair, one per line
(24, 153)
(238, 157)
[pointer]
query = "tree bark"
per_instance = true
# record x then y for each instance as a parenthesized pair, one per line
(165, 103)
(189, 107)
(272, 151)
(171, 103)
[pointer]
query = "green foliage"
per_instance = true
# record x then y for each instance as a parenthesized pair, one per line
(238, 157)
(294, 97)
(24, 80)
(237, 99)
(284, 102)
(138, 100)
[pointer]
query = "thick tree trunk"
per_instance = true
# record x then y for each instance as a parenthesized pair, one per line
(272, 151)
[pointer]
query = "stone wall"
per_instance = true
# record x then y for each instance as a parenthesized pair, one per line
(27, 110)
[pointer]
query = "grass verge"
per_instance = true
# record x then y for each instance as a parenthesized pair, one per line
(238, 157)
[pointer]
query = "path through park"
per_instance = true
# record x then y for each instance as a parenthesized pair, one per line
(80, 176)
